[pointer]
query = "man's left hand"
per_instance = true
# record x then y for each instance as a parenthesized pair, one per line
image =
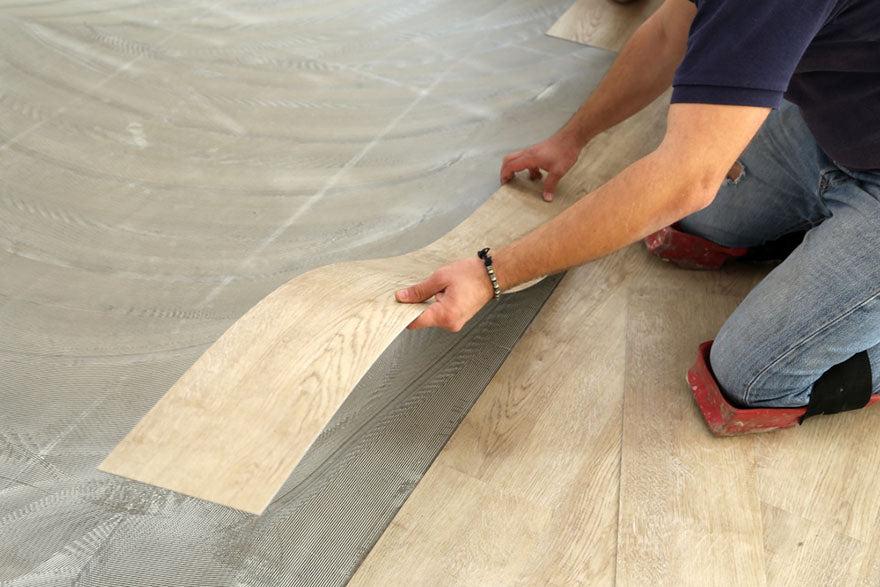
(459, 289)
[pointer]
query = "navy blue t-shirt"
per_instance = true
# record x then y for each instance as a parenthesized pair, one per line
(823, 55)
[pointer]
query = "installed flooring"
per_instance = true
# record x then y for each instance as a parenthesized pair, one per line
(586, 462)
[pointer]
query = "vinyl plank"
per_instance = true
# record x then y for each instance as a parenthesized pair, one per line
(546, 433)
(603, 23)
(455, 541)
(826, 470)
(799, 552)
(546, 430)
(685, 497)
(824, 473)
(235, 425)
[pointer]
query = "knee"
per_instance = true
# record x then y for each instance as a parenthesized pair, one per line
(730, 366)
(751, 375)
(728, 220)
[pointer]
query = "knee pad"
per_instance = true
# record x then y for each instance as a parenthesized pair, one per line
(690, 251)
(693, 252)
(846, 386)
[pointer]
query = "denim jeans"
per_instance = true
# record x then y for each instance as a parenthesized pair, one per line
(821, 305)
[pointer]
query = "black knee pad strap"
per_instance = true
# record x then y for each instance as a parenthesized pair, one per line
(845, 386)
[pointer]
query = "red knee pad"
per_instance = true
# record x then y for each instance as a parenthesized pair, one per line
(723, 418)
(689, 251)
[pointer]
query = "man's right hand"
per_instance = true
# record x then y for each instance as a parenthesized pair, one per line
(555, 155)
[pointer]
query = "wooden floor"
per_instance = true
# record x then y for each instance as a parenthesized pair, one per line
(586, 462)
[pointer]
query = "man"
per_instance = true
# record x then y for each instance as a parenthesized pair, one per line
(773, 129)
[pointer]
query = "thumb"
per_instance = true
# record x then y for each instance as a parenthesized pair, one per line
(550, 185)
(426, 319)
(420, 291)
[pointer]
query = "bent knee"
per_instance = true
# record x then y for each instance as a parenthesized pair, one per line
(751, 377)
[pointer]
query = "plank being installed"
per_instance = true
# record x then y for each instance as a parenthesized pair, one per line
(202, 438)
(525, 491)
(536, 461)
(603, 23)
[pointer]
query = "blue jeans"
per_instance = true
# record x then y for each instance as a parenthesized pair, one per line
(821, 305)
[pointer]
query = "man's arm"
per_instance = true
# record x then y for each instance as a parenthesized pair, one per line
(678, 178)
(642, 71)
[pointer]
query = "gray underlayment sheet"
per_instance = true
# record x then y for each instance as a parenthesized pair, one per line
(164, 166)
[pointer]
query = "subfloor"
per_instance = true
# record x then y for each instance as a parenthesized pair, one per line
(150, 196)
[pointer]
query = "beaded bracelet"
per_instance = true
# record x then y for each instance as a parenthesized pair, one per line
(487, 261)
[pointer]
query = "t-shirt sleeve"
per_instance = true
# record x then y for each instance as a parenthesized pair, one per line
(744, 52)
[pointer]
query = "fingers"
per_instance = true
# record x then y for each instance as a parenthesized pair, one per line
(514, 155)
(534, 174)
(438, 315)
(550, 185)
(515, 164)
(506, 174)
(428, 319)
(421, 291)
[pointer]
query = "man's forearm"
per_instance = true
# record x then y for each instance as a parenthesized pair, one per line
(678, 178)
(681, 176)
(642, 71)
(643, 198)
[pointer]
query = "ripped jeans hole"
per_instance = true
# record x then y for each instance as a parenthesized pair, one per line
(736, 173)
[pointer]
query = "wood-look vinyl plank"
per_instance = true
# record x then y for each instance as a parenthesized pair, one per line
(200, 438)
(824, 475)
(543, 360)
(799, 552)
(452, 535)
(603, 23)
(545, 432)
(826, 470)
(689, 507)
(689, 503)
(869, 563)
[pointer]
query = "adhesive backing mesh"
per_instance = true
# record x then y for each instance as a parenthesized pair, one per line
(164, 166)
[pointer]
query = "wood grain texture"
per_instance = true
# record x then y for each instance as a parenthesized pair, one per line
(164, 167)
(603, 23)
(798, 551)
(788, 508)
(820, 483)
(536, 460)
(235, 425)
(689, 506)
(525, 492)
(826, 471)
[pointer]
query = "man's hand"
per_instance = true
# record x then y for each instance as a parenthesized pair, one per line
(555, 155)
(459, 289)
